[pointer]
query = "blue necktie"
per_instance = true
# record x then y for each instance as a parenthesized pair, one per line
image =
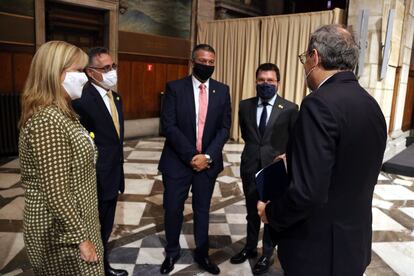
(263, 118)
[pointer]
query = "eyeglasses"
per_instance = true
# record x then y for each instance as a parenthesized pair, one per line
(106, 68)
(263, 80)
(302, 57)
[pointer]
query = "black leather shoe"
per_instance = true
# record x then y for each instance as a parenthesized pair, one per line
(115, 272)
(262, 265)
(206, 264)
(243, 256)
(168, 264)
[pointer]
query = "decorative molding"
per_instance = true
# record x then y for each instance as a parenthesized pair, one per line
(16, 43)
(111, 6)
(98, 4)
(123, 6)
(237, 8)
(17, 15)
(40, 26)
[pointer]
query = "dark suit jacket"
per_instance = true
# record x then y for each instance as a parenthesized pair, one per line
(95, 117)
(179, 126)
(260, 151)
(324, 219)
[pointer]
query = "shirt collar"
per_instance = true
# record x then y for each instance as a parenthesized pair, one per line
(322, 82)
(101, 91)
(196, 82)
(271, 102)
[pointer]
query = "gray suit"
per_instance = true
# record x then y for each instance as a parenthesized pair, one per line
(259, 152)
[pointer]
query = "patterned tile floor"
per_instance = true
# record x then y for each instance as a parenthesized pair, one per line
(138, 236)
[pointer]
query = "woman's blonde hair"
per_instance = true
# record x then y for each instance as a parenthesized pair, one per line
(43, 84)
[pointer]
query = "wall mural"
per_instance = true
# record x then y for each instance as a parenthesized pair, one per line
(171, 18)
(23, 7)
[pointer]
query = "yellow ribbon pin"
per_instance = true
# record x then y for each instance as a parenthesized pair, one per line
(92, 135)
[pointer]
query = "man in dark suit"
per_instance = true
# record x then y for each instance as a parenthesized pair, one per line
(265, 122)
(100, 111)
(196, 120)
(323, 221)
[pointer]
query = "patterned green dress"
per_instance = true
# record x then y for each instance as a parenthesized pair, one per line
(61, 206)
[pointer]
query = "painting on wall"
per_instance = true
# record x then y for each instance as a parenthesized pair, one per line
(21, 7)
(165, 18)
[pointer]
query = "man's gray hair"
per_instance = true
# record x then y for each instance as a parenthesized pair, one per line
(336, 47)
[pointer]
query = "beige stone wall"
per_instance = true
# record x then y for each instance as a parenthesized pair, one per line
(202, 10)
(404, 62)
(401, 43)
(205, 10)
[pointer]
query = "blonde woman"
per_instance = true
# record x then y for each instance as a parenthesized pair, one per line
(61, 222)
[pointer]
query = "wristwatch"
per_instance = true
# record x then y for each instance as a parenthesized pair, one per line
(209, 160)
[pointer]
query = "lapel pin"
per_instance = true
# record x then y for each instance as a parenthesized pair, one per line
(214, 91)
(92, 135)
(117, 98)
(280, 106)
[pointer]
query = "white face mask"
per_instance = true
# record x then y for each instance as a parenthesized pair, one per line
(306, 77)
(109, 79)
(73, 84)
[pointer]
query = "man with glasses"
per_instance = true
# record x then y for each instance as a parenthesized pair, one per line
(266, 121)
(324, 220)
(196, 118)
(100, 111)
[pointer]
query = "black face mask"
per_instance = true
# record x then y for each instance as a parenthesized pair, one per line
(266, 91)
(202, 72)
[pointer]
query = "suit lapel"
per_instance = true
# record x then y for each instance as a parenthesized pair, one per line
(253, 117)
(189, 90)
(276, 110)
(120, 118)
(212, 98)
(103, 109)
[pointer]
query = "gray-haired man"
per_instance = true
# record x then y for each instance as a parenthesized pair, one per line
(323, 222)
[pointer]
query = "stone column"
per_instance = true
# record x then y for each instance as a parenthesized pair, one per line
(383, 90)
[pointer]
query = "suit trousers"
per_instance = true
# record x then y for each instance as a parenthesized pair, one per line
(253, 219)
(175, 194)
(106, 218)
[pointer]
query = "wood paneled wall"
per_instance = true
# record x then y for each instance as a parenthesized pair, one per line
(408, 117)
(139, 85)
(14, 68)
(141, 79)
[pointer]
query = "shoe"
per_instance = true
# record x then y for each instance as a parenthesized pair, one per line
(168, 264)
(262, 265)
(206, 264)
(110, 271)
(243, 256)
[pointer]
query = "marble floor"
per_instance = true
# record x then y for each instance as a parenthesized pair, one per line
(138, 238)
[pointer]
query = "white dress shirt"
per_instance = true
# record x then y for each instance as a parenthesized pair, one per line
(322, 82)
(269, 107)
(196, 91)
(105, 97)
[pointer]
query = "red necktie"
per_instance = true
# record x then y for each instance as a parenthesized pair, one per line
(202, 114)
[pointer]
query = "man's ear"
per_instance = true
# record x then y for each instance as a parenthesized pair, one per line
(315, 57)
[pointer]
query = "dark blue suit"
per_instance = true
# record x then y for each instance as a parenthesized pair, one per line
(179, 126)
(96, 118)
